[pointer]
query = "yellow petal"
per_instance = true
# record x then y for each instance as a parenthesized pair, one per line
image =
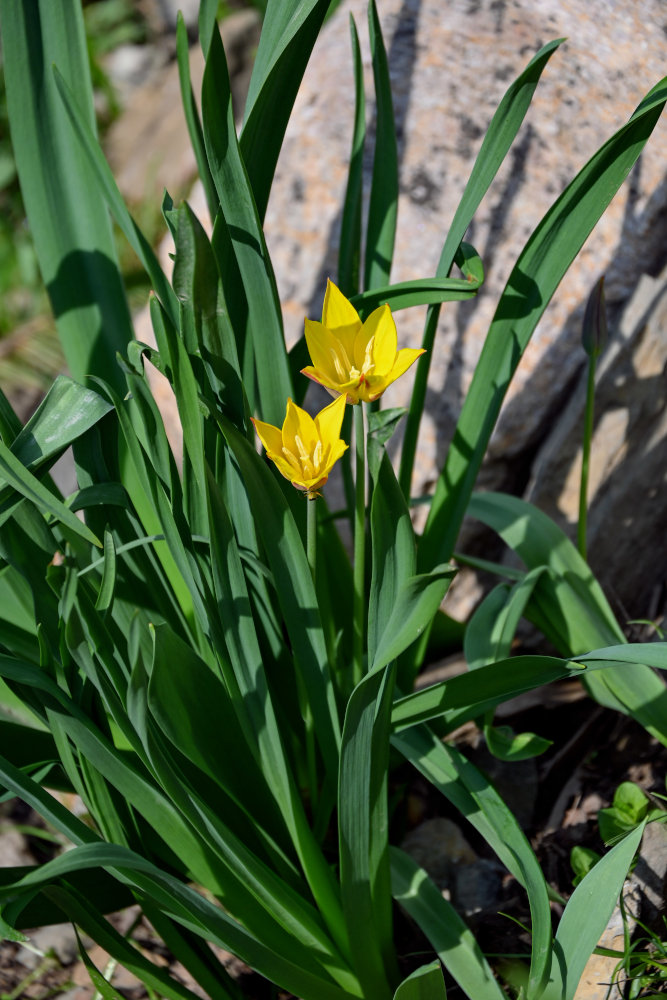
(381, 328)
(286, 469)
(337, 310)
(270, 436)
(319, 348)
(348, 388)
(299, 424)
(337, 449)
(329, 422)
(405, 357)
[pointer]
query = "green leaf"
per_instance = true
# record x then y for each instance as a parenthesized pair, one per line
(425, 983)
(363, 832)
(128, 780)
(499, 137)
(199, 288)
(418, 292)
(349, 251)
(630, 800)
(272, 908)
(505, 744)
(265, 335)
(569, 607)
(289, 32)
(416, 604)
(190, 106)
(582, 860)
(383, 423)
(469, 695)
(540, 267)
(474, 796)
(100, 178)
(108, 584)
(69, 224)
(67, 411)
(294, 590)
(15, 475)
(586, 915)
(393, 548)
(629, 807)
(185, 905)
(383, 204)
(102, 985)
(493, 625)
(453, 942)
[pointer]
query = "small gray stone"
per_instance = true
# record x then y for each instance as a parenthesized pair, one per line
(477, 886)
(439, 847)
(57, 938)
(14, 850)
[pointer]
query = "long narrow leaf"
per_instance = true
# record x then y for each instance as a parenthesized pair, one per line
(186, 906)
(585, 917)
(265, 331)
(570, 608)
(288, 35)
(295, 592)
(101, 179)
(383, 205)
(69, 224)
(192, 114)
(474, 796)
(349, 252)
(454, 943)
(363, 822)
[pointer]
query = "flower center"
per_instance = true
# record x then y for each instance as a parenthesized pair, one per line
(345, 370)
(304, 464)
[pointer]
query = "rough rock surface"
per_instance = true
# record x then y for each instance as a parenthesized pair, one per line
(450, 66)
(628, 468)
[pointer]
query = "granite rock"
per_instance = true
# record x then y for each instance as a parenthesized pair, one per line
(450, 66)
(628, 466)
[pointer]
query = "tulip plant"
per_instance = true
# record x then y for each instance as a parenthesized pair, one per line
(187, 645)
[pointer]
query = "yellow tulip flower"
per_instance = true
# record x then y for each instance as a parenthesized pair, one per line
(305, 450)
(354, 359)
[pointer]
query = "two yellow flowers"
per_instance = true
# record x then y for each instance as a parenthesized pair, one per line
(355, 362)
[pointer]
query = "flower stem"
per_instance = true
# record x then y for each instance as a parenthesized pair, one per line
(585, 459)
(359, 545)
(311, 535)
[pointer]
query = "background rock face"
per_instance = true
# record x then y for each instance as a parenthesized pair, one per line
(450, 66)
